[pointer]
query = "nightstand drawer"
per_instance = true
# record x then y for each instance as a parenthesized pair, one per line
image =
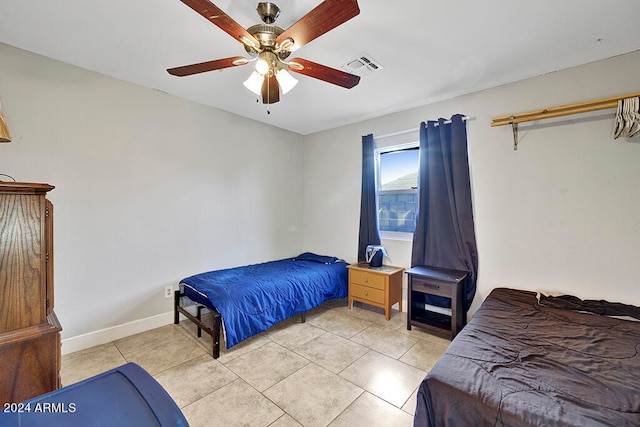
(367, 279)
(365, 292)
(432, 287)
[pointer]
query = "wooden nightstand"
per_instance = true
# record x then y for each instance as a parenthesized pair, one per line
(379, 286)
(441, 282)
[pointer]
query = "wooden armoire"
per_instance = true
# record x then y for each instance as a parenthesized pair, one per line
(29, 328)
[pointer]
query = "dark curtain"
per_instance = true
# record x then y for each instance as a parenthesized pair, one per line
(368, 207)
(445, 235)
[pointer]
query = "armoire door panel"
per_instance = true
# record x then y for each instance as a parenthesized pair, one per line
(22, 261)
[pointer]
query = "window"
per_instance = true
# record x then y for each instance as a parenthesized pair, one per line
(397, 188)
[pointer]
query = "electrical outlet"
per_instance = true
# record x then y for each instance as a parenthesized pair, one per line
(168, 291)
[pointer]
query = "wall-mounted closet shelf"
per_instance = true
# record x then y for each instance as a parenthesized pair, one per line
(564, 110)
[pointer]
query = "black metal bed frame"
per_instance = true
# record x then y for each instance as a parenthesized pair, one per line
(213, 331)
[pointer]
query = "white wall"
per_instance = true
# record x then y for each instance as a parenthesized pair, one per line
(561, 213)
(150, 188)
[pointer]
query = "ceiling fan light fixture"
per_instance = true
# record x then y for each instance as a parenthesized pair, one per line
(262, 67)
(254, 83)
(286, 80)
(266, 62)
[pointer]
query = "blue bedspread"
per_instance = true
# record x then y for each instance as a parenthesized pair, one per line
(253, 298)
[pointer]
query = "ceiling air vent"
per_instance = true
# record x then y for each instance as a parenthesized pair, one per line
(361, 65)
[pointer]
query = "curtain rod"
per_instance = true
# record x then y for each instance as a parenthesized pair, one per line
(402, 132)
(564, 110)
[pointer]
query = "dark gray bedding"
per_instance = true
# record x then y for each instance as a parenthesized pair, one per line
(518, 363)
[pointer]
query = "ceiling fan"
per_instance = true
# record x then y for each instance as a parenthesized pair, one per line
(270, 46)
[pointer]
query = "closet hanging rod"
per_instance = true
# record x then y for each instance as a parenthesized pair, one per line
(564, 110)
(402, 132)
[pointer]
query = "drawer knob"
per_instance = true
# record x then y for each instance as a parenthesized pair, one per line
(366, 280)
(366, 294)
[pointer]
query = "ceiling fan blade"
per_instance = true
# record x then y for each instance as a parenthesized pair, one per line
(325, 17)
(270, 90)
(202, 67)
(216, 16)
(322, 72)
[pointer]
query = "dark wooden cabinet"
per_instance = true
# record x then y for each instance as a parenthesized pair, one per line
(29, 328)
(442, 282)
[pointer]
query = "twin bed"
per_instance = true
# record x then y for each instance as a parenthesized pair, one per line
(250, 299)
(528, 361)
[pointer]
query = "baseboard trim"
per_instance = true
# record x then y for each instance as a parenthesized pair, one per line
(103, 336)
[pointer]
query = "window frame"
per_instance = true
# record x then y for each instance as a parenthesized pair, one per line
(393, 235)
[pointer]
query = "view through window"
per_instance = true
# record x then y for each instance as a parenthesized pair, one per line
(397, 187)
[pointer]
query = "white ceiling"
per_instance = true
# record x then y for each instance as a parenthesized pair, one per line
(430, 50)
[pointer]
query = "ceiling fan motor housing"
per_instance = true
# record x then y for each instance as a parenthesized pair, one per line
(266, 34)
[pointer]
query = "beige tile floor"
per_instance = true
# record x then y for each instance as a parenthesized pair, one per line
(342, 367)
